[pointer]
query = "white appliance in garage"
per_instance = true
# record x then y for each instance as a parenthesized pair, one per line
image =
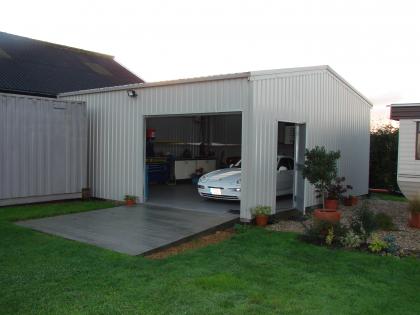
(185, 168)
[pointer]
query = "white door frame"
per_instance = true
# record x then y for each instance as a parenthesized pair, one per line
(299, 181)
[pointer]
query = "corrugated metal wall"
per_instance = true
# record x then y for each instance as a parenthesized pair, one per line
(42, 147)
(408, 166)
(335, 116)
(116, 127)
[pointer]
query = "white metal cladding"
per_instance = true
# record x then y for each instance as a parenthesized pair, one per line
(335, 116)
(408, 166)
(116, 126)
(42, 147)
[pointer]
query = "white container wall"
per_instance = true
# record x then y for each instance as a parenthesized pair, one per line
(336, 116)
(42, 149)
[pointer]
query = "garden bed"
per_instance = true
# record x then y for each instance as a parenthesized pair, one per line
(406, 237)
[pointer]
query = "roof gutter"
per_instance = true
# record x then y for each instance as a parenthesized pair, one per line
(158, 83)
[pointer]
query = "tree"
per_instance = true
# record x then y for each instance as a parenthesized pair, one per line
(320, 169)
(384, 158)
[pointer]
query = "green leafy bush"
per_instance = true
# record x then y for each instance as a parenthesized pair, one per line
(363, 221)
(377, 245)
(351, 240)
(261, 210)
(383, 158)
(384, 222)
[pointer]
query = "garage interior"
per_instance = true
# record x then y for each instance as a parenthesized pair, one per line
(286, 140)
(179, 149)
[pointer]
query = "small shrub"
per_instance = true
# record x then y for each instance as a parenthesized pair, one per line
(377, 245)
(330, 236)
(392, 247)
(351, 240)
(414, 205)
(384, 222)
(261, 210)
(130, 197)
(323, 232)
(241, 228)
(363, 221)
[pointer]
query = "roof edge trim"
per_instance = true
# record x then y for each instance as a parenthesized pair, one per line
(251, 75)
(41, 98)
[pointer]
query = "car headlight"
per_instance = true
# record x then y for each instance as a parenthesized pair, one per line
(203, 179)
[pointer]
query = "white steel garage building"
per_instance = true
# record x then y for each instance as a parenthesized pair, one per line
(249, 115)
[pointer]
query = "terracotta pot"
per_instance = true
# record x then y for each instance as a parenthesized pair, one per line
(329, 215)
(331, 204)
(348, 201)
(261, 220)
(354, 200)
(130, 202)
(414, 220)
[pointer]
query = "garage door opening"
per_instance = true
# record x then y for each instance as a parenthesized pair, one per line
(181, 149)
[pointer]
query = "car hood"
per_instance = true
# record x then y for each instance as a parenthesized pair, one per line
(227, 175)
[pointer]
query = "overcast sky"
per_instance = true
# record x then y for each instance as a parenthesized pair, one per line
(375, 45)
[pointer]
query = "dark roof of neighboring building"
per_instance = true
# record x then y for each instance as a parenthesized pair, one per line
(34, 67)
(405, 111)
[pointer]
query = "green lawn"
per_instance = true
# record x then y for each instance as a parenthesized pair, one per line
(255, 272)
(390, 197)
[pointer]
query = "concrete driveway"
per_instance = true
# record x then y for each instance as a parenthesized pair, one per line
(132, 230)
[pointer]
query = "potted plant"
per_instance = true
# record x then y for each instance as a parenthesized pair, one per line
(320, 169)
(334, 193)
(261, 214)
(414, 208)
(349, 200)
(354, 200)
(130, 200)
